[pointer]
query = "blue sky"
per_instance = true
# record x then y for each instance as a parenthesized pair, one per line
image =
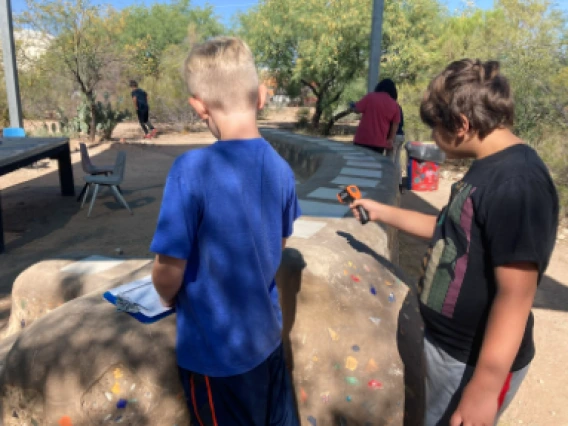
(227, 8)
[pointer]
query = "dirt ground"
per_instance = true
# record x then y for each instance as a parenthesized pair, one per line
(40, 224)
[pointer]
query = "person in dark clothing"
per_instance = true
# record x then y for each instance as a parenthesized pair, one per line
(140, 100)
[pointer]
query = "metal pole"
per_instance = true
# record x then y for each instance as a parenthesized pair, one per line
(376, 42)
(10, 70)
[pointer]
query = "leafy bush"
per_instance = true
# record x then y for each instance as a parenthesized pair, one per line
(168, 94)
(551, 147)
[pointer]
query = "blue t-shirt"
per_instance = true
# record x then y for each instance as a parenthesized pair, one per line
(225, 210)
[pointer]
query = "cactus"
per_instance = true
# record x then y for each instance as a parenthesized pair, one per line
(106, 118)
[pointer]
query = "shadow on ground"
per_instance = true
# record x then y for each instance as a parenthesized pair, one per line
(40, 224)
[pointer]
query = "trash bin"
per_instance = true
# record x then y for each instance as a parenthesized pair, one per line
(424, 159)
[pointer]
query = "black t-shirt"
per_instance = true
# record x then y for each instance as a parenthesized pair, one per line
(504, 210)
(141, 98)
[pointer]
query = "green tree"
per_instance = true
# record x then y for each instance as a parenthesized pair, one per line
(320, 44)
(324, 44)
(84, 40)
(528, 37)
(149, 32)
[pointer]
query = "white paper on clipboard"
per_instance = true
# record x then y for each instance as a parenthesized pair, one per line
(139, 296)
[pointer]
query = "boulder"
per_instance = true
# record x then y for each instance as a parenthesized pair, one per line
(86, 362)
(47, 285)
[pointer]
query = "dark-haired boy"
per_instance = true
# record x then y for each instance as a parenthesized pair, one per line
(490, 248)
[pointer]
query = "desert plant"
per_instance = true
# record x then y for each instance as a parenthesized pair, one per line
(107, 118)
(303, 118)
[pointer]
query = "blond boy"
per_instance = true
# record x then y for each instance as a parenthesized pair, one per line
(226, 213)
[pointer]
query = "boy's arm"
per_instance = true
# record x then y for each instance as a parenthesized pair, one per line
(135, 102)
(361, 106)
(418, 224)
(516, 288)
(167, 276)
(176, 232)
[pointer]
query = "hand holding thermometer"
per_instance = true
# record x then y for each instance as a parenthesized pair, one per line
(349, 195)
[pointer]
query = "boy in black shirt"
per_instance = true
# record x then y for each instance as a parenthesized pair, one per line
(490, 247)
(140, 100)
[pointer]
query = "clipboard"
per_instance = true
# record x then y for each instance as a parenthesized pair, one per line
(140, 300)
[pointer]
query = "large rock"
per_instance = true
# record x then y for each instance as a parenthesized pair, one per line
(49, 284)
(341, 309)
(80, 360)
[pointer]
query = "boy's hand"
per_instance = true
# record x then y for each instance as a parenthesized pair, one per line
(168, 303)
(373, 208)
(477, 407)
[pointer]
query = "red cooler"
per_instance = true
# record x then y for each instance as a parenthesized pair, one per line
(424, 159)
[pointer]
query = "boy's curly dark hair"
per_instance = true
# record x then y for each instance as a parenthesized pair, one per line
(471, 88)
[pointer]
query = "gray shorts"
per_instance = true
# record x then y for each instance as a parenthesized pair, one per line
(446, 378)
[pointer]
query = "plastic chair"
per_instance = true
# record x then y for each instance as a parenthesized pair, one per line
(90, 168)
(112, 181)
(13, 132)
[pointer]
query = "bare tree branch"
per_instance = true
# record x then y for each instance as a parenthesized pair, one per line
(312, 87)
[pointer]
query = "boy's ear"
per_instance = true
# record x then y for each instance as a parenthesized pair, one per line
(465, 127)
(262, 92)
(199, 107)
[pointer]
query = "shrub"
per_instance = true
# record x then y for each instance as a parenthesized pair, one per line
(303, 118)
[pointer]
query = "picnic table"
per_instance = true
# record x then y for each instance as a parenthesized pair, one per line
(16, 153)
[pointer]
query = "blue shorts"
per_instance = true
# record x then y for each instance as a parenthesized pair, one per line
(261, 397)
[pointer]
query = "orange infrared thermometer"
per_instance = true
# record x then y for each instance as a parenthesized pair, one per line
(350, 194)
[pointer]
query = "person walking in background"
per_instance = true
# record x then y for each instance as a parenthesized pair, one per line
(381, 116)
(140, 100)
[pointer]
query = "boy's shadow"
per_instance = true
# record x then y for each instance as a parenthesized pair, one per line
(289, 282)
(409, 337)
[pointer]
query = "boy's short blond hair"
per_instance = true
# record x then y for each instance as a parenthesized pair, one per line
(222, 73)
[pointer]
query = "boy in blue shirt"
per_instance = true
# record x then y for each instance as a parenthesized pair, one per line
(226, 214)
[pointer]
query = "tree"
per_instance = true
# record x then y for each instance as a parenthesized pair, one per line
(84, 40)
(528, 38)
(149, 32)
(324, 44)
(321, 44)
